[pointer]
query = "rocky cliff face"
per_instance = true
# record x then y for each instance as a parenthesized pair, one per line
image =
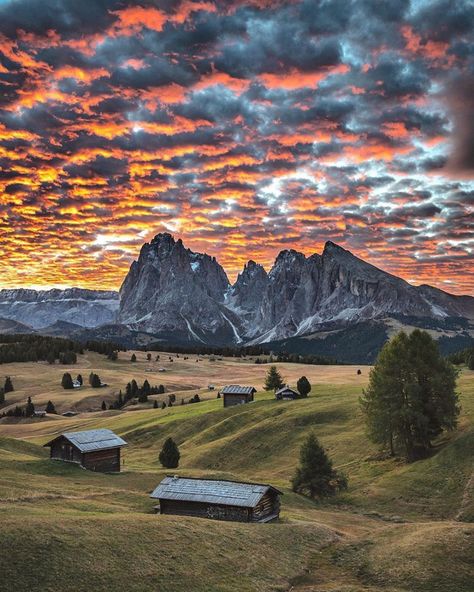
(41, 308)
(172, 291)
(184, 295)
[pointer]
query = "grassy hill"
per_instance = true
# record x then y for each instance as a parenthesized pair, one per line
(399, 528)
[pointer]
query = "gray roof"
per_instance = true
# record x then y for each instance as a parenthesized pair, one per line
(92, 440)
(236, 389)
(211, 491)
(286, 388)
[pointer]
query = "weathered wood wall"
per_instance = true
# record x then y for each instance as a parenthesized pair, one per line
(64, 450)
(204, 510)
(102, 460)
(232, 399)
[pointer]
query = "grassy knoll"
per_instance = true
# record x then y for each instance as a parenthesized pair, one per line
(399, 528)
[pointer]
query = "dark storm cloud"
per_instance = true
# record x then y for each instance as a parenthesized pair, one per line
(64, 16)
(461, 100)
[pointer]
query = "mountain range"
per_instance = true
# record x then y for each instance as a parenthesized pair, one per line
(314, 304)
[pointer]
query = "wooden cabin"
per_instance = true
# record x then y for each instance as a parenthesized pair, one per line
(287, 394)
(234, 394)
(216, 499)
(96, 450)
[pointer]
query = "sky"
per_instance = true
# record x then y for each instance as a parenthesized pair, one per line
(242, 127)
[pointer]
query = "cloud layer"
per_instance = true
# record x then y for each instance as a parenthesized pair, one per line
(243, 127)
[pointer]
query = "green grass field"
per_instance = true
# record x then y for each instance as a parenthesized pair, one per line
(399, 528)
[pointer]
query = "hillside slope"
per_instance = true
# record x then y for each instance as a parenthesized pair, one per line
(383, 534)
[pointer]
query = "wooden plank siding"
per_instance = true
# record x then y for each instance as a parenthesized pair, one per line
(231, 399)
(102, 460)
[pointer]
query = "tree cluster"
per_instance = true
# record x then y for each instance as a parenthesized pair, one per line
(34, 348)
(411, 397)
(94, 380)
(465, 356)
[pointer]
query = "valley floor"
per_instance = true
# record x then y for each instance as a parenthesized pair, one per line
(399, 528)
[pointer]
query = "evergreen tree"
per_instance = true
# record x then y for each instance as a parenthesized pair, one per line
(304, 387)
(91, 377)
(104, 406)
(411, 397)
(113, 355)
(50, 408)
(155, 404)
(134, 388)
(2, 396)
(163, 405)
(51, 358)
(30, 408)
(146, 388)
(8, 387)
(79, 379)
(133, 358)
(66, 381)
(161, 389)
(316, 476)
(96, 381)
(148, 357)
(169, 455)
(273, 380)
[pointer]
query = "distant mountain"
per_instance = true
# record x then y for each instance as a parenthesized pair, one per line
(42, 308)
(331, 303)
(8, 326)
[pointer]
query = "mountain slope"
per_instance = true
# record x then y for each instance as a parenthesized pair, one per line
(42, 308)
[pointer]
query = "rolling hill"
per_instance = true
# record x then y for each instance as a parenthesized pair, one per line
(78, 530)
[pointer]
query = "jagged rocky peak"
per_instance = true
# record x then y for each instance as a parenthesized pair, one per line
(171, 289)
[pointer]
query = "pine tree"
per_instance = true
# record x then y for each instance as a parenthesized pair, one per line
(104, 406)
(30, 408)
(155, 404)
(2, 396)
(411, 397)
(163, 405)
(273, 380)
(134, 388)
(51, 357)
(66, 381)
(169, 455)
(8, 387)
(315, 476)
(50, 408)
(133, 358)
(96, 381)
(304, 387)
(148, 357)
(79, 379)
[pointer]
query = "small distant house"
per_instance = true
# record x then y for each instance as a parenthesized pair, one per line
(286, 394)
(161, 369)
(69, 414)
(96, 450)
(76, 383)
(220, 500)
(39, 413)
(211, 387)
(234, 394)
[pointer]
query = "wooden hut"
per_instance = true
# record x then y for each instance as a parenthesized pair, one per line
(216, 499)
(234, 394)
(287, 394)
(96, 450)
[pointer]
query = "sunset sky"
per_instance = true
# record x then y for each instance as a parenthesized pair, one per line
(243, 127)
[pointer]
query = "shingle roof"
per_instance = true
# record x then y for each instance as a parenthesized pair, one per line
(92, 440)
(236, 389)
(228, 493)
